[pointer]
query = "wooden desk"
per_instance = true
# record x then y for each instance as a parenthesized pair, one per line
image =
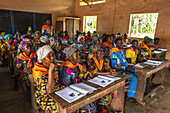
(118, 87)
(162, 55)
(142, 75)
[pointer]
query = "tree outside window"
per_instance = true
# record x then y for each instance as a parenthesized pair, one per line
(142, 25)
(90, 23)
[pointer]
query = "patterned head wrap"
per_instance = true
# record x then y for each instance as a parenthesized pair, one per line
(24, 43)
(94, 40)
(44, 39)
(37, 32)
(2, 34)
(80, 37)
(43, 51)
(7, 36)
(70, 50)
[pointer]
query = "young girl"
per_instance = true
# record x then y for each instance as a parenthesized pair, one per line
(45, 75)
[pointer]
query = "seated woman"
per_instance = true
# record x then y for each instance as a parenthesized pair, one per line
(70, 70)
(45, 76)
(95, 45)
(59, 55)
(107, 43)
(156, 42)
(25, 60)
(8, 51)
(81, 43)
(85, 74)
(99, 67)
(132, 52)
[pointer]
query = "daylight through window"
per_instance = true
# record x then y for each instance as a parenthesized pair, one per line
(142, 25)
(90, 23)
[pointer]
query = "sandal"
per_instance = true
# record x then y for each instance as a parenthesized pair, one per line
(132, 101)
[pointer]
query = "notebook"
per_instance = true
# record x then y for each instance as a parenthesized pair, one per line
(104, 80)
(75, 92)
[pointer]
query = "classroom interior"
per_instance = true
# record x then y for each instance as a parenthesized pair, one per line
(102, 16)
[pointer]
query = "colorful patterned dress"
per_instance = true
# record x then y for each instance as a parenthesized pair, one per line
(22, 64)
(107, 99)
(86, 76)
(6, 49)
(69, 75)
(40, 75)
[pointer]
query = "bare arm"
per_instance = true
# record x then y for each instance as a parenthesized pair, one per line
(50, 82)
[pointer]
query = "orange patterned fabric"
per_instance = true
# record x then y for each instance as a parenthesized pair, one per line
(39, 70)
(25, 57)
(99, 65)
(115, 49)
(70, 65)
(145, 46)
(106, 44)
(81, 43)
(46, 27)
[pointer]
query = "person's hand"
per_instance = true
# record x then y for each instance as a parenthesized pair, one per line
(114, 74)
(128, 68)
(52, 66)
(28, 71)
(62, 87)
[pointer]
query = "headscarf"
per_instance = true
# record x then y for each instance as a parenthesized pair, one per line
(94, 40)
(37, 32)
(43, 51)
(70, 50)
(29, 28)
(7, 36)
(2, 34)
(80, 37)
(44, 39)
(25, 42)
(96, 34)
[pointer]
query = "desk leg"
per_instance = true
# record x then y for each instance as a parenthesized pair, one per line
(118, 99)
(140, 87)
(60, 109)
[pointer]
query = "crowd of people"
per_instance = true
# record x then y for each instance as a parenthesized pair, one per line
(42, 52)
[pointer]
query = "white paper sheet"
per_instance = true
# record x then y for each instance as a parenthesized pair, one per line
(139, 66)
(69, 94)
(162, 49)
(153, 62)
(109, 77)
(83, 88)
(129, 45)
(157, 52)
(101, 81)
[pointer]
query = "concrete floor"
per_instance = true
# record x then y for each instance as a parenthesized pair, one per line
(14, 102)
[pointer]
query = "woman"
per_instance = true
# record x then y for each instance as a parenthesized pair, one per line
(45, 76)
(25, 60)
(58, 53)
(9, 49)
(100, 67)
(69, 72)
(107, 43)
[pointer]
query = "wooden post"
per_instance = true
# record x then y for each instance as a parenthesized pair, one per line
(140, 87)
(118, 99)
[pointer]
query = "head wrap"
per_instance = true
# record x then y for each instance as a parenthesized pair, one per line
(94, 40)
(96, 34)
(7, 36)
(44, 39)
(37, 32)
(70, 50)
(25, 42)
(29, 28)
(43, 51)
(2, 34)
(80, 37)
